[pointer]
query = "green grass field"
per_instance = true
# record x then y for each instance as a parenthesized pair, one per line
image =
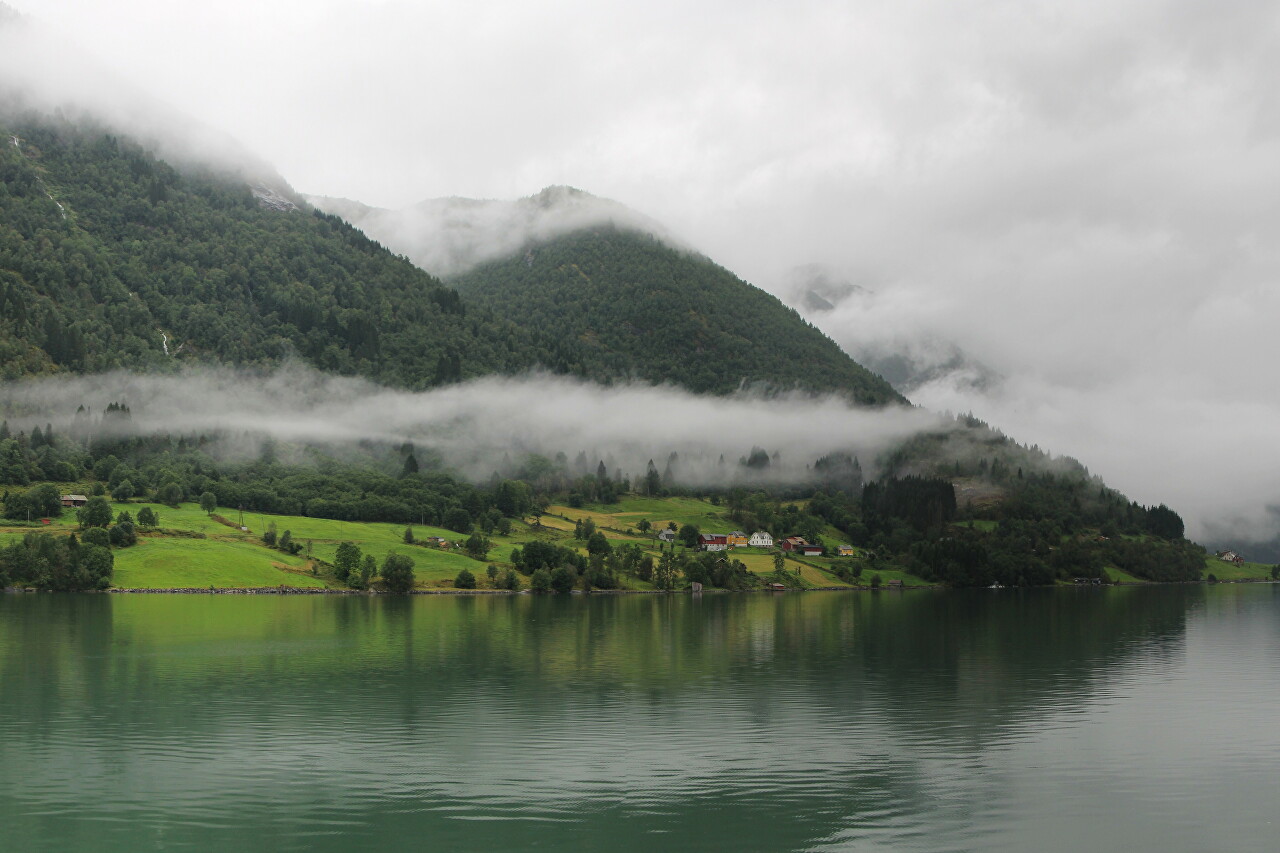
(659, 511)
(1121, 576)
(1231, 572)
(164, 563)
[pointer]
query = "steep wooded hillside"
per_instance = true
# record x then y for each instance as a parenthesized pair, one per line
(110, 257)
(113, 258)
(635, 307)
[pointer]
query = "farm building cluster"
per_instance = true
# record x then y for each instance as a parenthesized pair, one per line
(1231, 557)
(760, 539)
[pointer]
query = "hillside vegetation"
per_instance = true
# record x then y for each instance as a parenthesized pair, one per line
(631, 306)
(553, 525)
(112, 258)
(614, 546)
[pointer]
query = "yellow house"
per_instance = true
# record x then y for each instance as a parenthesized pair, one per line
(737, 539)
(844, 550)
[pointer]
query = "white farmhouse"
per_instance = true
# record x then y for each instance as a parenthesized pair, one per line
(760, 539)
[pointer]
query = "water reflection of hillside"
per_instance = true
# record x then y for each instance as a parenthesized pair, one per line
(1003, 649)
(785, 720)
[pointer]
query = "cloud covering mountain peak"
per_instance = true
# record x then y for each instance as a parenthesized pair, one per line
(448, 236)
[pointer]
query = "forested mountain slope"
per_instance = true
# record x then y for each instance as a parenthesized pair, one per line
(113, 258)
(638, 307)
(110, 257)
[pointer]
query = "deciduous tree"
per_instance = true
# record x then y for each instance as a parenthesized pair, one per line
(397, 573)
(95, 513)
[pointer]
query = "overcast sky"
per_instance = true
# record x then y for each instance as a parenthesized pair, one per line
(1081, 195)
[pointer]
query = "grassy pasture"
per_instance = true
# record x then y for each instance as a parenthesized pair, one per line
(1121, 576)
(1231, 572)
(659, 511)
(160, 563)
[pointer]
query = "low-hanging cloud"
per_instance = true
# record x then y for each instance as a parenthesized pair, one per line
(477, 425)
(46, 74)
(448, 236)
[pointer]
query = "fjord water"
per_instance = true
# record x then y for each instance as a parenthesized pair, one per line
(1134, 718)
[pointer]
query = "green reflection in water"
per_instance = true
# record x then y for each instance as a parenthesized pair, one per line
(759, 722)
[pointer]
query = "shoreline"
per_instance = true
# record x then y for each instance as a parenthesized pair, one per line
(293, 590)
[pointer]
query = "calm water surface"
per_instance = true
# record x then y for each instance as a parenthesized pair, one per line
(1134, 719)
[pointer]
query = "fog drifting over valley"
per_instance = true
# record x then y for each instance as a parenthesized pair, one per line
(479, 427)
(1078, 198)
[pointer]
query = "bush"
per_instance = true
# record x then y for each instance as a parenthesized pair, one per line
(509, 580)
(397, 573)
(876, 581)
(123, 491)
(597, 544)
(123, 534)
(96, 513)
(96, 536)
(170, 494)
(465, 580)
(360, 579)
(346, 562)
(458, 519)
(540, 581)
(563, 579)
(477, 546)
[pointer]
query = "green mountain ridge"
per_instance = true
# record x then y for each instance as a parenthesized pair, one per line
(637, 307)
(111, 257)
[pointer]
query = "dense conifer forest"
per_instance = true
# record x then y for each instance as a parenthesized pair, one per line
(637, 307)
